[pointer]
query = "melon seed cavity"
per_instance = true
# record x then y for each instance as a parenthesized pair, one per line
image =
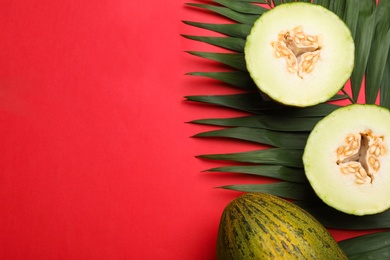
(300, 51)
(360, 155)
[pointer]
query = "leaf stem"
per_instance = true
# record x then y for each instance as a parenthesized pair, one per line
(348, 96)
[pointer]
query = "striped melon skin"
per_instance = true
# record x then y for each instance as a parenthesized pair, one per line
(262, 226)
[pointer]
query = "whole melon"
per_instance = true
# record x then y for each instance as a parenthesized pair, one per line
(263, 226)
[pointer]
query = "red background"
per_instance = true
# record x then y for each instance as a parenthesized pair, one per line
(96, 160)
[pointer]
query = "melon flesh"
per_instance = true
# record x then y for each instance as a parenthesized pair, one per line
(340, 186)
(271, 72)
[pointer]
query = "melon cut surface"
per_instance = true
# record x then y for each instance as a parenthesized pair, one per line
(347, 159)
(299, 54)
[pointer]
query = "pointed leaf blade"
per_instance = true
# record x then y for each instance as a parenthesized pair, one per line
(230, 43)
(247, 102)
(273, 171)
(338, 7)
(233, 15)
(277, 2)
(288, 190)
(370, 246)
(238, 79)
(332, 218)
(379, 51)
(363, 40)
(385, 85)
(261, 136)
(233, 30)
(265, 121)
(351, 15)
(234, 60)
(242, 7)
(272, 156)
(324, 3)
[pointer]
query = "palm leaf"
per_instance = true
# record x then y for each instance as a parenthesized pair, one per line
(351, 15)
(332, 218)
(247, 102)
(379, 51)
(324, 3)
(338, 7)
(254, 1)
(238, 79)
(338, 97)
(363, 40)
(385, 85)
(254, 103)
(273, 171)
(371, 246)
(265, 121)
(261, 136)
(288, 190)
(230, 43)
(229, 13)
(274, 156)
(242, 7)
(233, 30)
(277, 2)
(234, 60)
(320, 110)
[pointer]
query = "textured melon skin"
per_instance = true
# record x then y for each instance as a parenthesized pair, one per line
(262, 226)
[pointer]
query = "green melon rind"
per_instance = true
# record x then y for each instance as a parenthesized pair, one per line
(263, 226)
(270, 74)
(334, 188)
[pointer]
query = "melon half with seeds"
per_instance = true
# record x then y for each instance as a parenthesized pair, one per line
(347, 159)
(299, 54)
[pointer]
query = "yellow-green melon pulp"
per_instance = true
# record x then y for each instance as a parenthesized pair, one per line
(299, 54)
(347, 159)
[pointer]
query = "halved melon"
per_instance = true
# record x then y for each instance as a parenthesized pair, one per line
(299, 54)
(347, 159)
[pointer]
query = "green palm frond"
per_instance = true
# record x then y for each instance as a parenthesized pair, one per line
(277, 2)
(379, 52)
(265, 121)
(295, 140)
(281, 128)
(370, 246)
(233, 30)
(238, 79)
(255, 103)
(332, 218)
(234, 60)
(324, 3)
(288, 190)
(273, 156)
(338, 7)
(230, 43)
(242, 7)
(351, 15)
(363, 40)
(385, 85)
(229, 13)
(278, 172)
(320, 110)
(247, 102)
